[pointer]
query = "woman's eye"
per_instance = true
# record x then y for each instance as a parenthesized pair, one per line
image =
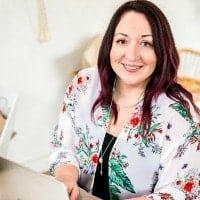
(121, 41)
(146, 44)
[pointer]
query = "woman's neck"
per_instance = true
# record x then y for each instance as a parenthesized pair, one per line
(127, 95)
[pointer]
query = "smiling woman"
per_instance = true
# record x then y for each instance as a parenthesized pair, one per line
(127, 129)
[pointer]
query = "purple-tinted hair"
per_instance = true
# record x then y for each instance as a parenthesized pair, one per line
(163, 79)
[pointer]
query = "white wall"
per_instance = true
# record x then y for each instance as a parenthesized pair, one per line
(184, 18)
(39, 72)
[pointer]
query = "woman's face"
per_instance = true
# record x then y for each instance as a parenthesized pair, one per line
(132, 55)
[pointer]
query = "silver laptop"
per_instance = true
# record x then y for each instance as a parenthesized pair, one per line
(20, 183)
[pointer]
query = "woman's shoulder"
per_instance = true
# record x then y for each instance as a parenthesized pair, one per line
(86, 82)
(90, 76)
(91, 71)
(164, 101)
(175, 109)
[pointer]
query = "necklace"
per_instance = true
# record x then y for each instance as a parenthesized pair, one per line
(139, 100)
(130, 106)
(102, 155)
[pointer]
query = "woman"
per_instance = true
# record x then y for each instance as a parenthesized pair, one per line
(128, 130)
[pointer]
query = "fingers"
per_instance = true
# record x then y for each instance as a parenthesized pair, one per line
(74, 193)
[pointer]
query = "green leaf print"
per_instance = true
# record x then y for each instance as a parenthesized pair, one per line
(114, 189)
(113, 195)
(149, 138)
(70, 106)
(118, 176)
(181, 110)
(86, 150)
(106, 115)
(192, 135)
(123, 157)
(104, 118)
(154, 127)
(145, 141)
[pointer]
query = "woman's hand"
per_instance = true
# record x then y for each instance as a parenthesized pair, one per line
(68, 174)
(72, 187)
(74, 193)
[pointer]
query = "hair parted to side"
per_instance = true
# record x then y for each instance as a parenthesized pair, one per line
(163, 79)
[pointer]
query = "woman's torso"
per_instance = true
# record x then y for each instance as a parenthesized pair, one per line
(135, 158)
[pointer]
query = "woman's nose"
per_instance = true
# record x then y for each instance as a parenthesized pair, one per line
(132, 52)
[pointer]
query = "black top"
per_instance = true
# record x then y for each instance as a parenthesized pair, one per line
(101, 187)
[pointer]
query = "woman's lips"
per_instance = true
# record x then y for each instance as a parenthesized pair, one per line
(132, 67)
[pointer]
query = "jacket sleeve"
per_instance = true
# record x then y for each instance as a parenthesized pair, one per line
(179, 170)
(63, 137)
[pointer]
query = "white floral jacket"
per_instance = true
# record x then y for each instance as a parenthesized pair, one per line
(164, 165)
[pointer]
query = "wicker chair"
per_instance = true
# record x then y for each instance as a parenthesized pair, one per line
(189, 63)
(189, 71)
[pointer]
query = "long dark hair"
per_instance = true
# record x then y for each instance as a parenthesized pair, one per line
(163, 79)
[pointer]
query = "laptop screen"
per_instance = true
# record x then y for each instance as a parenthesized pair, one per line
(20, 183)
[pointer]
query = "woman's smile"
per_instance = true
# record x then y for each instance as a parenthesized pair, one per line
(132, 67)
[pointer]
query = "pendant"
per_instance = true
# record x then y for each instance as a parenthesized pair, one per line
(101, 160)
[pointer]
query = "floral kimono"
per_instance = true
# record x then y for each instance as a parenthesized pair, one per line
(163, 164)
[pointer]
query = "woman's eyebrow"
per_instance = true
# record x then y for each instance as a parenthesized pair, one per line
(146, 35)
(121, 34)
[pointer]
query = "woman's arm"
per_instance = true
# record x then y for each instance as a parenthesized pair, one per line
(178, 175)
(63, 160)
(179, 171)
(68, 174)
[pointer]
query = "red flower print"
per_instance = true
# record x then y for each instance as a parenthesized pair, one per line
(95, 158)
(188, 186)
(135, 121)
(136, 135)
(80, 80)
(91, 145)
(64, 108)
(166, 196)
(70, 88)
